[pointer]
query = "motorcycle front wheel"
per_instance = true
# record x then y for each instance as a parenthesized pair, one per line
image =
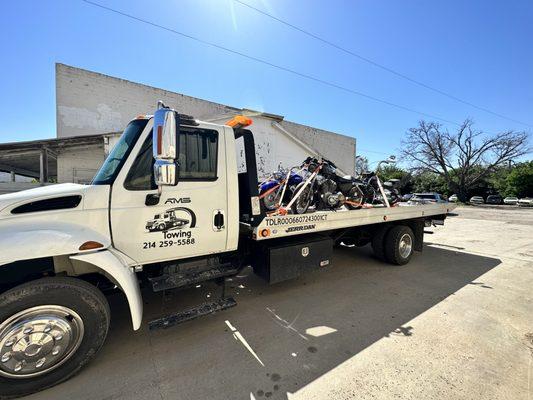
(303, 201)
(271, 200)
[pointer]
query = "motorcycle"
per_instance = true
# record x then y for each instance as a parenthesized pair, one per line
(386, 193)
(279, 188)
(325, 189)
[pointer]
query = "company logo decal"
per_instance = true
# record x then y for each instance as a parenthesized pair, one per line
(300, 228)
(172, 218)
(173, 200)
(175, 224)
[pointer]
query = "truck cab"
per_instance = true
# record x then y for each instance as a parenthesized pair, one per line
(78, 236)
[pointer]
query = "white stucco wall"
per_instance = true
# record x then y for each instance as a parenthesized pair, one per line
(90, 103)
(79, 165)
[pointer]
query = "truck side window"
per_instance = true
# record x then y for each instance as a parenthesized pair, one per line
(141, 173)
(198, 150)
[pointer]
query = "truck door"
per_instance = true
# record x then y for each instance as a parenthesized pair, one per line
(188, 219)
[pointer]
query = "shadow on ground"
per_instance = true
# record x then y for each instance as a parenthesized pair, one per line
(299, 329)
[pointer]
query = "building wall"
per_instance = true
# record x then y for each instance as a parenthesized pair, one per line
(92, 103)
(79, 165)
(340, 149)
(6, 177)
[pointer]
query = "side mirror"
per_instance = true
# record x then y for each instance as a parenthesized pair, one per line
(165, 144)
(164, 173)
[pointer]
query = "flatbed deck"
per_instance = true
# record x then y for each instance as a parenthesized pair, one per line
(290, 225)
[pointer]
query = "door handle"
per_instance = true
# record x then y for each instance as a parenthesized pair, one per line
(218, 220)
(152, 199)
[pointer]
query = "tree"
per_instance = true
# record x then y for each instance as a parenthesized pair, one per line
(391, 172)
(361, 165)
(520, 180)
(429, 182)
(462, 159)
(394, 172)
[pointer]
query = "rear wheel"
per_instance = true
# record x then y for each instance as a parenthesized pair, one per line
(356, 199)
(49, 329)
(399, 245)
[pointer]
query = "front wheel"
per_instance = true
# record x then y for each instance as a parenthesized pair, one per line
(272, 200)
(302, 203)
(49, 329)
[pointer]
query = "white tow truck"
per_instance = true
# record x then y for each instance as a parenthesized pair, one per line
(63, 246)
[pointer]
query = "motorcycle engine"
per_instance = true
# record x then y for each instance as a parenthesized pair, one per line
(329, 194)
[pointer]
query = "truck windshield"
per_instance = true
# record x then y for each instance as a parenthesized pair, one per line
(114, 161)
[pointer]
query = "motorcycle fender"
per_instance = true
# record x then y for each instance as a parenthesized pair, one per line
(268, 185)
(123, 275)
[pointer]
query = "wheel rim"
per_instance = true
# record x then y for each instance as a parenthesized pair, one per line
(406, 245)
(271, 200)
(302, 203)
(37, 340)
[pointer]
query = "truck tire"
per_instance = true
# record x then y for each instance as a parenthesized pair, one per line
(399, 245)
(378, 242)
(49, 329)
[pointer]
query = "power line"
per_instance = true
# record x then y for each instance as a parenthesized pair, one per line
(375, 64)
(373, 151)
(265, 62)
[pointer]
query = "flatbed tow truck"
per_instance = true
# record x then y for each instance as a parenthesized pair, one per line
(64, 246)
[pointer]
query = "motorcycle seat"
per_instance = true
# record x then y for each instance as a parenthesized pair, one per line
(346, 179)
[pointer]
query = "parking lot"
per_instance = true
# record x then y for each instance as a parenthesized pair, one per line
(455, 323)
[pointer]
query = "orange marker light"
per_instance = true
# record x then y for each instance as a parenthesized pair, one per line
(90, 245)
(239, 121)
(265, 232)
(159, 139)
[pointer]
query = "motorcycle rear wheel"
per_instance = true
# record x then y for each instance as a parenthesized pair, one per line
(355, 197)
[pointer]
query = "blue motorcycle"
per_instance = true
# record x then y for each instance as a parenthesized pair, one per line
(271, 190)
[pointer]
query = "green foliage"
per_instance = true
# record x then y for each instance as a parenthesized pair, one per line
(520, 180)
(498, 181)
(392, 172)
(430, 182)
(513, 181)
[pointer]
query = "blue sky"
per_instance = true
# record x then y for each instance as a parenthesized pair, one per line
(479, 51)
